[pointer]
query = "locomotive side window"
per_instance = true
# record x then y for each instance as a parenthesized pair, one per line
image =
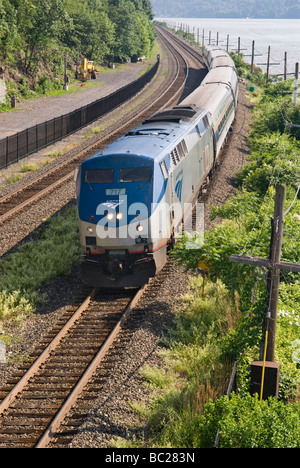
(99, 176)
(135, 174)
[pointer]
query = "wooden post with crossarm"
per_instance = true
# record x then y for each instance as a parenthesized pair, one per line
(274, 264)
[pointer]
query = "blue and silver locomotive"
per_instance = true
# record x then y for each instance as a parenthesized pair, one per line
(133, 194)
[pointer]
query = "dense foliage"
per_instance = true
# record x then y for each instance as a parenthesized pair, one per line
(227, 9)
(103, 30)
(274, 158)
(245, 422)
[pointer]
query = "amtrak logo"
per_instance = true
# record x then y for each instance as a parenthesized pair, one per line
(178, 189)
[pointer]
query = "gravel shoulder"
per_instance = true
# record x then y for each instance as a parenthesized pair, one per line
(34, 111)
(114, 414)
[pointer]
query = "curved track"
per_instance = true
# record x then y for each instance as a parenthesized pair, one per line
(18, 200)
(51, 412)
(35, 407)
(36, 401)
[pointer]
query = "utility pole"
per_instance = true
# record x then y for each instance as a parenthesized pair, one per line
(66, 87)
(274, 273)
(274, 264)
(296, 83)
(268, 64)
(285, 66)
(252, 57)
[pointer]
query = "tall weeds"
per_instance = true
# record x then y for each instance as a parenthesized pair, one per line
(23, 272)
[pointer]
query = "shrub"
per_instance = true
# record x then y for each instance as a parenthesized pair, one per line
(245, 422)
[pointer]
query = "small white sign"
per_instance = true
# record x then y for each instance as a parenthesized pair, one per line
(2, 352)
(3, 91)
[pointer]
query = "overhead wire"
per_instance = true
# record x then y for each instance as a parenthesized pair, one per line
(293, 202)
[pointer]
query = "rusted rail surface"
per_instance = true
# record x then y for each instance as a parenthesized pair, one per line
(33, 409)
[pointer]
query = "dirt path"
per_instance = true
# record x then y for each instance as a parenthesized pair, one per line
(34, 111)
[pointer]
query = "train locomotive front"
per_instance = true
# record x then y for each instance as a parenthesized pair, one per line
(116, 195)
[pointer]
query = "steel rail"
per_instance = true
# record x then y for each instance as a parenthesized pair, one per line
(71, 400)
(55, 423)
(38, 366)
(186, 46)
(4, 405)
(149, 108)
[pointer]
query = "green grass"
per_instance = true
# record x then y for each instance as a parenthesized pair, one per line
(192, 372)
(35, 263)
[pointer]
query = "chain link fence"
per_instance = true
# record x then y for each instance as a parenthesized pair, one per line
(16, 147)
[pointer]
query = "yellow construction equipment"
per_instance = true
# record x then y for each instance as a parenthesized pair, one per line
(86, 71)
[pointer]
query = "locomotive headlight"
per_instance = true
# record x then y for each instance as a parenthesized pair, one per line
(110, 216)
(140, 228)
(120, 216)
(90, 230)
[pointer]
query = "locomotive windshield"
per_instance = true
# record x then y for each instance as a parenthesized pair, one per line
(135, 174)
(99, 176)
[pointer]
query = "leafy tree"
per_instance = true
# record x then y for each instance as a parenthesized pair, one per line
(126, 19)
(9, 38)
(38, 22)
(42, 30)
(91, 32)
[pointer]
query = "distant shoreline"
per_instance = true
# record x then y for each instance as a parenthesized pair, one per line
(225, 17)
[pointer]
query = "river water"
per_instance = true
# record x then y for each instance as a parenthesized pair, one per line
(281, 35)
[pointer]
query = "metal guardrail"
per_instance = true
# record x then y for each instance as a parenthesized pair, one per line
(16, 147)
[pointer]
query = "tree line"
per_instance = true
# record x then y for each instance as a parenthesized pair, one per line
(39, 31)
(227, 8)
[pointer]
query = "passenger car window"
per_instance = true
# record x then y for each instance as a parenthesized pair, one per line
(99, 176)
(135, 174)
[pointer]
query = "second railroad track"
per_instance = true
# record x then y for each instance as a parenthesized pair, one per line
(43, 184)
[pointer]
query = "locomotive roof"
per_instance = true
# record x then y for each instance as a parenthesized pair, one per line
(152, 138)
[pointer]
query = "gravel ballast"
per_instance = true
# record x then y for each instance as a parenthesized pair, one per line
(112, 414)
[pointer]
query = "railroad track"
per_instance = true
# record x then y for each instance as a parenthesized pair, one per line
(40, 187)
(186, 47)
(36, 401)
(34, 405)
(46, 400)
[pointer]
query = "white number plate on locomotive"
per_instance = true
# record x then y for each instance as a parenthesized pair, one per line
(116, 191)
